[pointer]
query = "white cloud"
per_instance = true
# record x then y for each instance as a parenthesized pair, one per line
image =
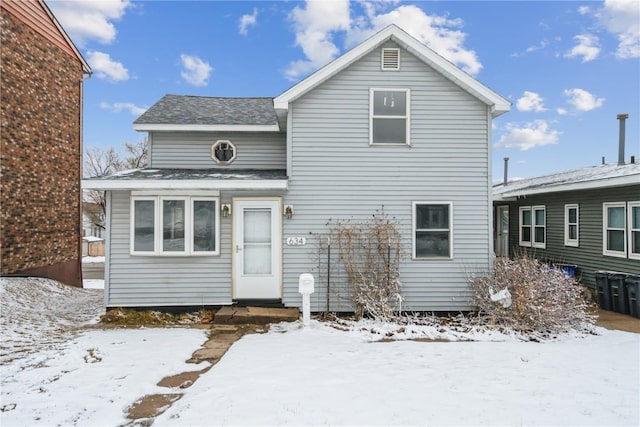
(582, 100)
(440, 33)
(587, 48)
(314, 25)
(561, 111)
(106, 68)
(583, 10)
(247, 21)
(195, 71)
(318, 22)
(533, 48)
(530, 135)
(118, 107)
(622, 18)
(89, 20)
(530, 101)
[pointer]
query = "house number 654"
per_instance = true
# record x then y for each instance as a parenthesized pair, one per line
(296, 241)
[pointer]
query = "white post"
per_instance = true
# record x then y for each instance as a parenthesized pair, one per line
(306, 288)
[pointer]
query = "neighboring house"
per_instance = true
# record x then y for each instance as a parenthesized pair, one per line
(588, 217)
(92, 220)
(41, 115)
(234, 184)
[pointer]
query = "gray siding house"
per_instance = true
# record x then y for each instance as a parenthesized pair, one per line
(235, 185)
(588, 217)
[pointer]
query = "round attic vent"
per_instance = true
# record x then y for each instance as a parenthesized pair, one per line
(223, 152)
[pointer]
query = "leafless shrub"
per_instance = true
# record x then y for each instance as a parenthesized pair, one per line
(370, 253)
(528, 295)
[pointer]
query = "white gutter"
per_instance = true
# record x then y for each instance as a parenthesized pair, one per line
(208, 128)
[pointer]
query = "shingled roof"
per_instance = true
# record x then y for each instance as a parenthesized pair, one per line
(204, 110)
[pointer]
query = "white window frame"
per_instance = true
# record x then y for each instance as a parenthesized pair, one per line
(406, 117)
(605, 229)
(533, 243)
(415, 230)
(521, 242)
(568, 241)
(188, 225)
(220, 142)
(630, 207)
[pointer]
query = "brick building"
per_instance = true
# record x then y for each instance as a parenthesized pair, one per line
(42, 75)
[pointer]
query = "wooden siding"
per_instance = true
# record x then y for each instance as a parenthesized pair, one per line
(33, 14)
(160, 280)
(193, 150)
(588, 255)
(336, 174)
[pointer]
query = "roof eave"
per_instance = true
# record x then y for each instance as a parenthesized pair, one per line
(499, 105)
(167, 127)
(184, 184)
(585, 185)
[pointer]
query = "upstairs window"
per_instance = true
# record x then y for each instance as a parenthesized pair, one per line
(571, 225)
(614, 234)
(389, 116)
(223, 152)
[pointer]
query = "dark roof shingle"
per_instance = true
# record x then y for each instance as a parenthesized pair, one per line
(204, 110)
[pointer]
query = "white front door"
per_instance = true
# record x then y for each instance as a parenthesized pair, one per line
(502, 228)
(257, 239)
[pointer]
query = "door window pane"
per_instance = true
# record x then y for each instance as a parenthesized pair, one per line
(257, 241)
(204, 225)
(173, 216)
(144, 225)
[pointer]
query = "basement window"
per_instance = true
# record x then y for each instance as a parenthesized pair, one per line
(223, 152)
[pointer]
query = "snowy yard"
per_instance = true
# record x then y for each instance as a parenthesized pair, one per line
(56, 374)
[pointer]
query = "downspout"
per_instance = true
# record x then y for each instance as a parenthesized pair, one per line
(505, 180)
(81, 131)
(622, 117)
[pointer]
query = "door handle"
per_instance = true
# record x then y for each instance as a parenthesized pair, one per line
(238, 248)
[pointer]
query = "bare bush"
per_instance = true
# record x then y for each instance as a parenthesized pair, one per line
(370, 254)
(528, 295)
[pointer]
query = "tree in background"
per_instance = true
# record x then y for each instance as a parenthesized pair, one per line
(107, 161)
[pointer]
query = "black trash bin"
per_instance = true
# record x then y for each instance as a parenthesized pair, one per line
(604, 299)
(632, 285)
(615, 282)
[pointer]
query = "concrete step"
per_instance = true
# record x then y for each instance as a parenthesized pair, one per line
(255, 315)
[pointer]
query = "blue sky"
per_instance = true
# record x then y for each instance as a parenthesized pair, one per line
(567, 67)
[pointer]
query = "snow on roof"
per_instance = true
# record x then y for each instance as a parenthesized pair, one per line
(601, 176)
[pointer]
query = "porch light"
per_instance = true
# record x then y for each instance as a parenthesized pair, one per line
(288, 211)
(226, 211)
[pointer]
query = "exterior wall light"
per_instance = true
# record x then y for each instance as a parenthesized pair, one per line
(288, 211)
(226, 211)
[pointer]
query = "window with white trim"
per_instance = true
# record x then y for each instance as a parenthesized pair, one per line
(571, 225)
(223, 152)
(533, 226)
(634, 230)
(389, 116)
(174, 225)
(432, 230)
(614, 237)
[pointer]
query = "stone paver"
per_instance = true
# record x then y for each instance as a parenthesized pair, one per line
(255, 315)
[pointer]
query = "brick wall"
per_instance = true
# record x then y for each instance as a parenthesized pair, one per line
(40, 155)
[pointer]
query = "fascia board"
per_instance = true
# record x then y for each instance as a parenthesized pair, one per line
(185, 184)
(142, 127)
(586, 185)
(499, 105)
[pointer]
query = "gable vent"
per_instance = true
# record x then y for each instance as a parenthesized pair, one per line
(390, 59)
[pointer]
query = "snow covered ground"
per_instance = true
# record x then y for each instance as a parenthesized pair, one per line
(325, 374)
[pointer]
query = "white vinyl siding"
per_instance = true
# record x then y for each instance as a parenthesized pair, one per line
(170, 226)
(614, 237)
(571, 225)
(532, 225)
(634, 230)
(389, 116)
(432, 230)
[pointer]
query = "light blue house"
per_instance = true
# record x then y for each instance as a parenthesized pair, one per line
(234, 184)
